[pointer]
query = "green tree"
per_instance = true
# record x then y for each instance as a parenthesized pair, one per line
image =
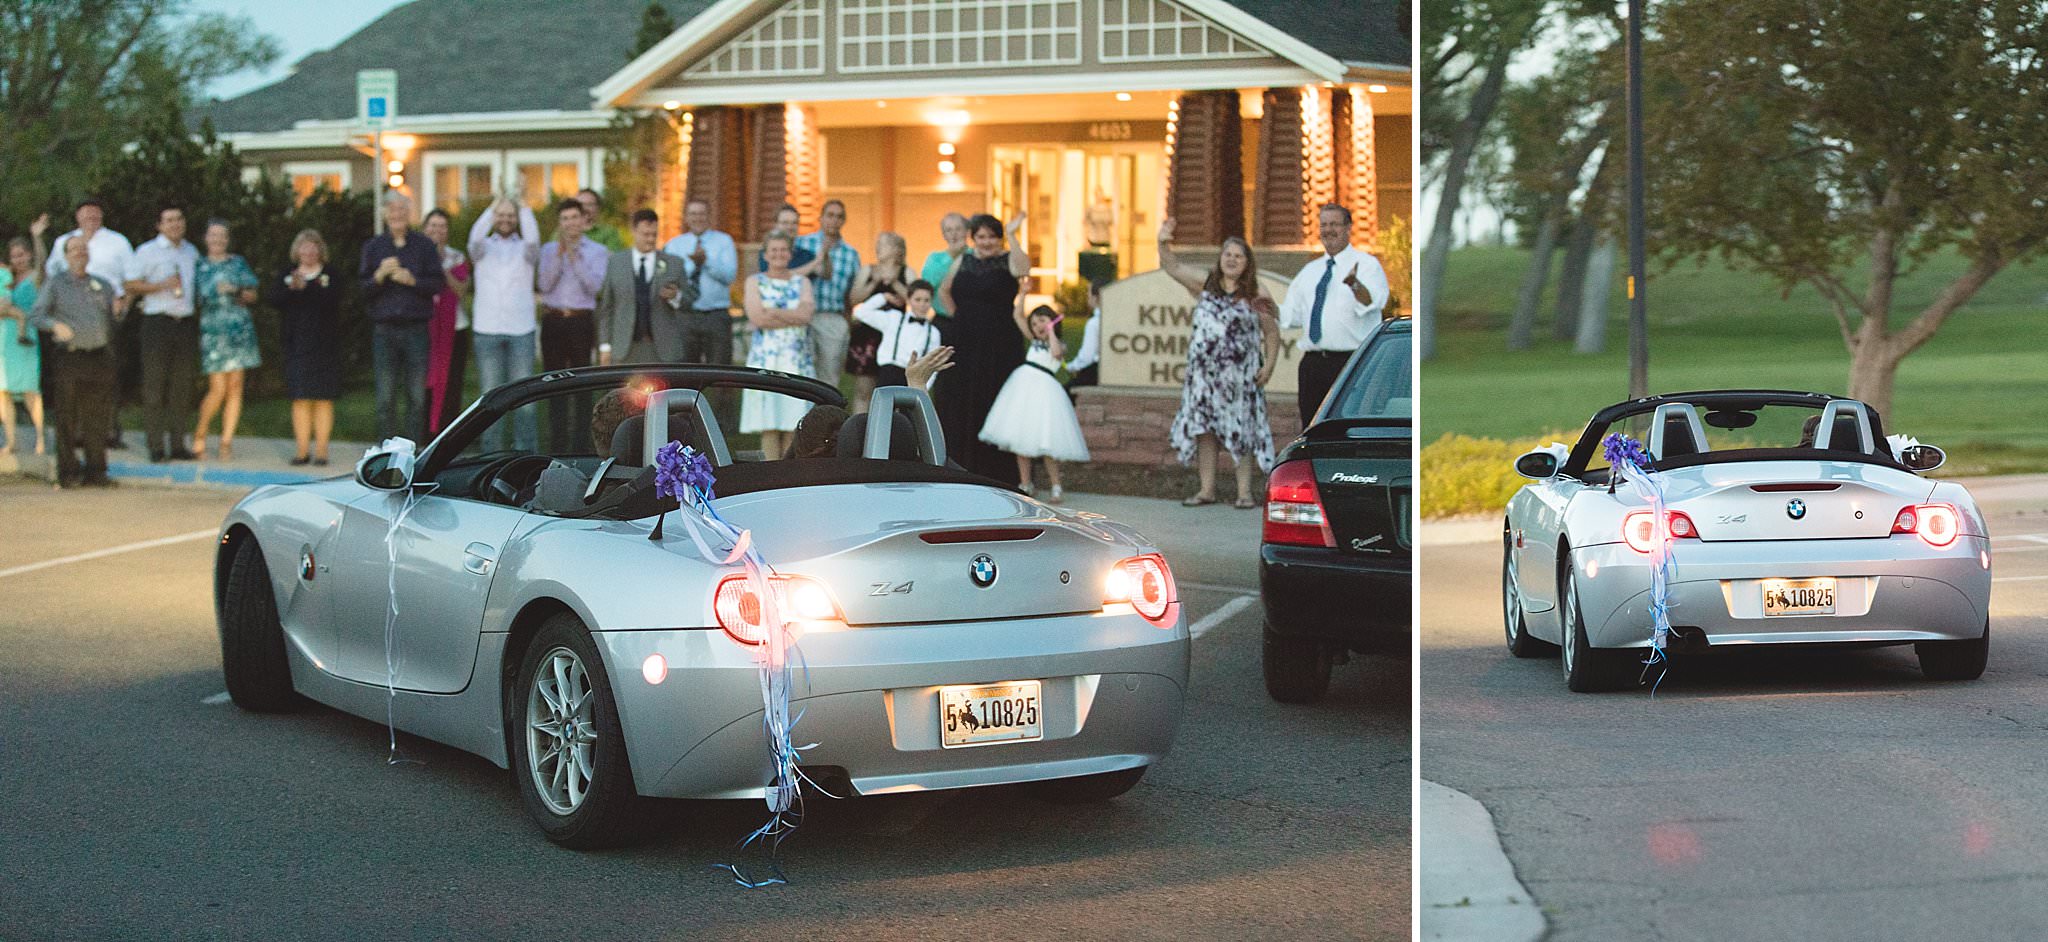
(77, 77)
(655, 25)
(1807, 138)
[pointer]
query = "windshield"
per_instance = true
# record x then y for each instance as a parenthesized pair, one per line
(1380, 388)
(1736, 430)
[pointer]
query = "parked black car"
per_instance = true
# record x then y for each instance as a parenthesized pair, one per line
(1334, 558)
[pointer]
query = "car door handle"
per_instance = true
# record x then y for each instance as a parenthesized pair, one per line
(478, 557)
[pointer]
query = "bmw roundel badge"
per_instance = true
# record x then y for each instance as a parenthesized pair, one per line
(983, 571)
(1796, 509)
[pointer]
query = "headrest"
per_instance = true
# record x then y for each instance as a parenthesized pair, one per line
(627, 440)
(1678, 438)
(854, 434)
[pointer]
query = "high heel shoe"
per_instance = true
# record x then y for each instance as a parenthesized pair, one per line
(301, 461)
(227, 450)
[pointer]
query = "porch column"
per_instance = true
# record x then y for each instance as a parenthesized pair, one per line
(1205, 176)
(1357, 173)
(716, 168)
(804, 170)
(1296, 165)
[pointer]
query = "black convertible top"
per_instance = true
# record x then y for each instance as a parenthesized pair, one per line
(1734, 399)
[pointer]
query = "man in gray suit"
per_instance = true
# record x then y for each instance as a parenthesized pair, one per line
(640, 305)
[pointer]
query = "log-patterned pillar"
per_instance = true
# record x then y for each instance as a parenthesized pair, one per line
(1205, 183)
(804, 171)
(716, 167)
(1357, 175)
(767, 168)
(1278, 191)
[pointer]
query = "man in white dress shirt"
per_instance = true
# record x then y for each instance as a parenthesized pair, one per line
(1335, 301)
(109, 252)
(504, 249)
(161, 276)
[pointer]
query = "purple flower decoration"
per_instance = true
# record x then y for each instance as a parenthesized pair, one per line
(1621, 449)
(678, 469)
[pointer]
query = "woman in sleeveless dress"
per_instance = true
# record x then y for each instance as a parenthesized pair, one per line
(225, 287)
(981, 291)
(779, 305)
(1230, 357)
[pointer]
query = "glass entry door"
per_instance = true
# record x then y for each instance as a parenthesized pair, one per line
(1101, 200)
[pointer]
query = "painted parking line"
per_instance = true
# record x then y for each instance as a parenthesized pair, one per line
(1220, 615)
(216, 699)
(110, 551)
(1214, 587)
(2018, 578)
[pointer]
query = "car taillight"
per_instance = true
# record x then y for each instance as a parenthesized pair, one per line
(797, 598)
(1935, 524)
(1294, 511)
(1639, 529)
(1146, 584)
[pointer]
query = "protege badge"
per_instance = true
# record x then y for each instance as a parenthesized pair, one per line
(1343, 478)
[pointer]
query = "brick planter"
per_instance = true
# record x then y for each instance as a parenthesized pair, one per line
(1128, 426)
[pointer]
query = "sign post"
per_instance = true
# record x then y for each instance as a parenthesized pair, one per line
(376, 106)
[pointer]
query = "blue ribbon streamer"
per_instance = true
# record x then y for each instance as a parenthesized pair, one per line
(1631, 462)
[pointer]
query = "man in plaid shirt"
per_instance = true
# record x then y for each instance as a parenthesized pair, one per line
(838, 265)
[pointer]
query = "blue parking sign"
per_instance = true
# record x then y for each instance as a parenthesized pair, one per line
(376, 107)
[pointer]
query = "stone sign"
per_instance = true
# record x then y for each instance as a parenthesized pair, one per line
(1147, 320)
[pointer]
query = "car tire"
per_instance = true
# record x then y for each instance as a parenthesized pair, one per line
(1955, 660)
(1520, 642)
(1297, 670)
(606, 811)
(1088, 789)
(1588, 669)
(252, 656)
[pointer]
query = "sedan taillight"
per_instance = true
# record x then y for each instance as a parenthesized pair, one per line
(1935, 524)
(1294, 510)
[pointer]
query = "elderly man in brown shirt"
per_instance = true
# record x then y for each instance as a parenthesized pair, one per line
(76, 310)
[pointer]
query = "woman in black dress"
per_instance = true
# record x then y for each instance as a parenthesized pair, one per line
(981, 291)
(309, 298)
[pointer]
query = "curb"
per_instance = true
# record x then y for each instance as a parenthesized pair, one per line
(1458, 531)
(1468, 887)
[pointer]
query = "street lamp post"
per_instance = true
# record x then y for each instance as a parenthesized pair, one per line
(1638, 312)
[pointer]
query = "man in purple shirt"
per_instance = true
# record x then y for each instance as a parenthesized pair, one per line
(571, 271)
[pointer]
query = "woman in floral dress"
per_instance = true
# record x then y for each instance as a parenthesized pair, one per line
(227, 336)
(779, 306)
(1230, 357)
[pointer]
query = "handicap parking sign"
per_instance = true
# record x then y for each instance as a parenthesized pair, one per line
(376, 107)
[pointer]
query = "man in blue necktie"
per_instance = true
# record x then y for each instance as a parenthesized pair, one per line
(1335, 300)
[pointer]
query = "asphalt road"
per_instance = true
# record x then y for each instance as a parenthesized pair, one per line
(134, 805)
(1811, 796)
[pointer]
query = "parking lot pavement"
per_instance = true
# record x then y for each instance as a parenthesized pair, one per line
(138, 805)
(1827, 795)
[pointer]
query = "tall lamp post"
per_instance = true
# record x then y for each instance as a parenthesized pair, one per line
(1638, 312)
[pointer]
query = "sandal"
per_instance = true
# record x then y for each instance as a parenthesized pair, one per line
(1198, 501)
(1244, 503)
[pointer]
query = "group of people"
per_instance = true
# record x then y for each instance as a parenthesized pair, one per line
(511, 303)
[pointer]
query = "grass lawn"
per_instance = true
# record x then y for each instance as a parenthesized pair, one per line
(1979, 389)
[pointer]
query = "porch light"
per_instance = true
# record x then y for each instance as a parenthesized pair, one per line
(945, 166)
(395, 166)
(947, 149)
(395, 181)
(671, 105)
(1123, 96)
(951, 119)
(400, 144)
(1376, 89)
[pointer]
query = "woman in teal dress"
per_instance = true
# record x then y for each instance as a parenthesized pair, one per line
(21, 372)
(226, 287)
(779, 305)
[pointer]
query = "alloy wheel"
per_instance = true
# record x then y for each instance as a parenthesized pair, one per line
(561, 734)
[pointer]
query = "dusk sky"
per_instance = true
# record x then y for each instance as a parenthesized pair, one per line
(299, 27)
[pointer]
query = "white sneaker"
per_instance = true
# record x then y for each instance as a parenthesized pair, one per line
(1057, 497)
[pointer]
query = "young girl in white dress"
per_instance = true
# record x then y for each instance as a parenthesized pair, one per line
(1031, 417)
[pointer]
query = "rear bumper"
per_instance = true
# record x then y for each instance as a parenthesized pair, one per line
(1362, 602)
(1113, 687)
(1887, 591)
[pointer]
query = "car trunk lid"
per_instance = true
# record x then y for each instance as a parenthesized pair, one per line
(1364, 478)
(1792, 500)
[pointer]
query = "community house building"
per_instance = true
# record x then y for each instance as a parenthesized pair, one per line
(1097, 118)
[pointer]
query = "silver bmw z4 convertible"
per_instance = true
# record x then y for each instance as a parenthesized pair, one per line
(521, 603)
(1790, 518)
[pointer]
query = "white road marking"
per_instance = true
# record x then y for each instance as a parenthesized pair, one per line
(2041, 538)
(110, 551)
(1220, 615)
(216, 699)
(1213, 587)
(2018, 578)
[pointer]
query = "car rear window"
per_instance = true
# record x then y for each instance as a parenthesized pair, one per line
(1382, 385)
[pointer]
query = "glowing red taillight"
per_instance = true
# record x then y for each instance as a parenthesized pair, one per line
(1146, 584)
(1294, 511)
(1935, 524)
(1639, 529)
(743, 616)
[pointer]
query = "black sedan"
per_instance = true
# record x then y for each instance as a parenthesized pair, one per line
(1334, 558)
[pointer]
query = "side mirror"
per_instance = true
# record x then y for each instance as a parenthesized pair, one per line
(387, 467)
(1540, 465)
(1923, 458)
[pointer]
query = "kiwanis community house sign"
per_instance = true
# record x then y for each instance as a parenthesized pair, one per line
(1147, 321)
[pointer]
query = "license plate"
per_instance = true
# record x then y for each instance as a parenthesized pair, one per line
(990, 713)
(1799, 596)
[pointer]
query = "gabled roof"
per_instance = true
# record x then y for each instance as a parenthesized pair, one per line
(458, 57)
(1355, 32)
